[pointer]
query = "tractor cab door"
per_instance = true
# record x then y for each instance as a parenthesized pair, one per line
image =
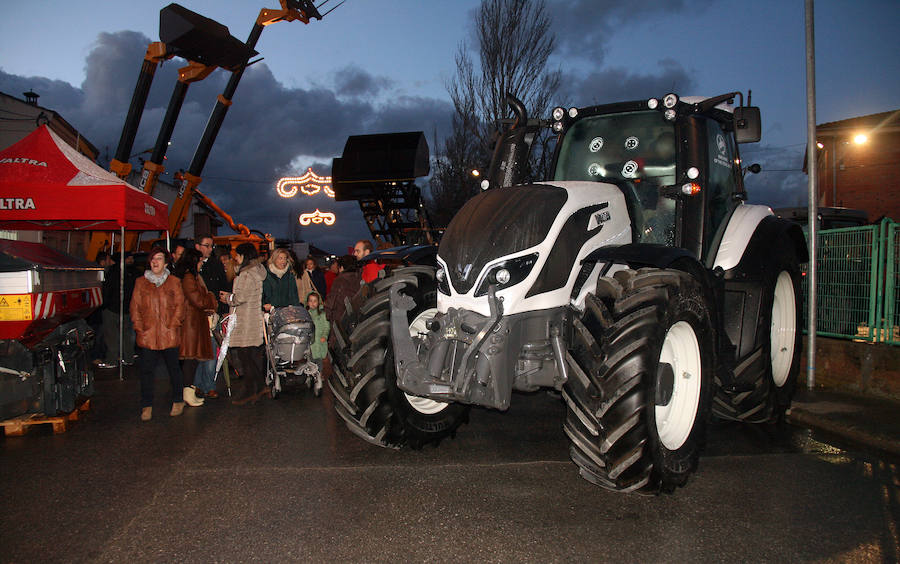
(723, 181)
(710, 147)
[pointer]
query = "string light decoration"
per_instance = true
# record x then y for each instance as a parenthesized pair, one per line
(310, 184)
(317, 218)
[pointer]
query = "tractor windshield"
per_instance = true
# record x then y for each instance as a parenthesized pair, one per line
(636, 152)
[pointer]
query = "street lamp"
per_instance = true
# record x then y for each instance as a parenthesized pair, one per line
(832, 154)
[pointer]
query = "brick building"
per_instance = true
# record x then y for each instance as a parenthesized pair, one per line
(858, 164)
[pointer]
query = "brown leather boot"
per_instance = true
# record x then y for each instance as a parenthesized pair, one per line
(177, 408)
(146, 413)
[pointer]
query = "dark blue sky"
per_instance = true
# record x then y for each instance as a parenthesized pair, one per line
(383, 66)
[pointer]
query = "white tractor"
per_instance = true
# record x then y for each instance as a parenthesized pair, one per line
(635, 280)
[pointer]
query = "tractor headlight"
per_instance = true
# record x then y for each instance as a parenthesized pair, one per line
(443, 285)
(558, 114)
(652, 103)
(670, 100)
(507, 273)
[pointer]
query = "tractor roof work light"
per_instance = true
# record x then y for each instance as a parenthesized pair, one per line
(652, 103)
(558, 114)
(670, 100)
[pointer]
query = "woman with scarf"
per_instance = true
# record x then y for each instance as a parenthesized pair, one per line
(280, 285)
(157, 314)
(246, 342)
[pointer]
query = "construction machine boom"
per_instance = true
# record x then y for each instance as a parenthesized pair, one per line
(206, 45)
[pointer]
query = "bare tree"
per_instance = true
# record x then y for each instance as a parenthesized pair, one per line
(514, 44)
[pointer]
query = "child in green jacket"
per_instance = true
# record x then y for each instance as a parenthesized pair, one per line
(319, 345)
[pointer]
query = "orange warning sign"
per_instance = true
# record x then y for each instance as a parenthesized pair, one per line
(15, 307)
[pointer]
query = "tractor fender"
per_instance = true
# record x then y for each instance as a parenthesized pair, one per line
(741, 227)
(636, 255)
(770, 237)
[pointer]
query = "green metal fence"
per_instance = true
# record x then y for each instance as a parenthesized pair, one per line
(891, 313)
(857, 278)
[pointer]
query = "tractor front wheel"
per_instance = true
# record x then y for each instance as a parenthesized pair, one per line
(364, 380)
(638, 394)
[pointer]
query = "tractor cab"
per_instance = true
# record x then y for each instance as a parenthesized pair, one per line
(635, 151)
(675, 160)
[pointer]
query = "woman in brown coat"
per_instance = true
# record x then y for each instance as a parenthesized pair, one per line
(196, 344)
(157, 313)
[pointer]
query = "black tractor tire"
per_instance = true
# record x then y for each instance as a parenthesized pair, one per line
(767, 379)
(364, 380)
(636, 412)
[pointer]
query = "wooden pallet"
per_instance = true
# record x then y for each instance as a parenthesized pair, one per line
(18, 426)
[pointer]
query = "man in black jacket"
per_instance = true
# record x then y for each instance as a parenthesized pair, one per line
(212, 271)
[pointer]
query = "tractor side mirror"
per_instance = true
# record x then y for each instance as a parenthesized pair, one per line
(747, 124)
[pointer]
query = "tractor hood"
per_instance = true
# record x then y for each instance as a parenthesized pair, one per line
(497, 223)
(537, 235)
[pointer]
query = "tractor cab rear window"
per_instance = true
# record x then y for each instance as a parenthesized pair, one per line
(636, 152)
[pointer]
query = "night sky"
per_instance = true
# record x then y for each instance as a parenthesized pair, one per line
(382, 66)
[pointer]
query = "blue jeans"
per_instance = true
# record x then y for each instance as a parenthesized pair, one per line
(205, 379)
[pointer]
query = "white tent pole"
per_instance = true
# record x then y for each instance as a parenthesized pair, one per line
(121, 301)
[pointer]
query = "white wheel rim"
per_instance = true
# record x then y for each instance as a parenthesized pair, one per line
(423, 405)
(675, 420)
(783, 332)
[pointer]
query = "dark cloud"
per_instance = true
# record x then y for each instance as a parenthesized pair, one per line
(268, 127)
(353, 81)
(585, 27)
(56, 94)
(619, 84)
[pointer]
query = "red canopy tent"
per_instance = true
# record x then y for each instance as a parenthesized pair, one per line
(47, 185)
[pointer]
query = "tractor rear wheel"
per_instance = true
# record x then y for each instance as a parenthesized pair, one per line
(364, 380)
(766, 379)
(638, 392)
(784, 338)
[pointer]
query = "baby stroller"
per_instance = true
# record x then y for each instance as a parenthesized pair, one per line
(289, 331)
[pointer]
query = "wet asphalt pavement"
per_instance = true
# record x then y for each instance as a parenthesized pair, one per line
(285, 481)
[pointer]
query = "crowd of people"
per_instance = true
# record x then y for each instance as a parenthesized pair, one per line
(173, 305)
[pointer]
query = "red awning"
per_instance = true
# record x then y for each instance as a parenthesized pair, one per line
(47, 185)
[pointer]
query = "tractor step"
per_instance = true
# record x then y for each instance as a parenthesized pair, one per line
(18, 426)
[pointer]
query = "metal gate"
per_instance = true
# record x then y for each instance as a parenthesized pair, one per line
(858, 270)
